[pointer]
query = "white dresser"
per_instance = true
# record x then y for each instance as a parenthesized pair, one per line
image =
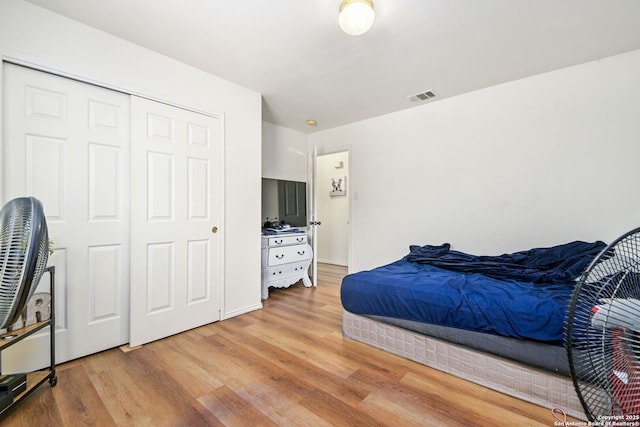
(285, 261)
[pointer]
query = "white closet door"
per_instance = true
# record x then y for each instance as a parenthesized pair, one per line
(176, 232)
(67, 143)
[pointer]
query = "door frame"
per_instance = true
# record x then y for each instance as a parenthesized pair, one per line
(71, 74)
(313, 155)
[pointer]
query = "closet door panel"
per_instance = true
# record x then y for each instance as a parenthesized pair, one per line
(198, 189)
(67, 144)
(105, 194)
(176, 225)
(160, 283)
(45, 163)
(104, 282)
(198, 271)
(160, 187)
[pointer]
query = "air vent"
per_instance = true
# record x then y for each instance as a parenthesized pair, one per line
(422, 96)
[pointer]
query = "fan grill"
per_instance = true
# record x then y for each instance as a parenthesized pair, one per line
(602, 331)
(23, 255)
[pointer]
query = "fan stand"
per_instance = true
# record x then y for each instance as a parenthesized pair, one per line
(36, 378)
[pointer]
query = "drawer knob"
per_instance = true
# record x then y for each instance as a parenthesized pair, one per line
(279, 242)
(300, 252)
(280, 256)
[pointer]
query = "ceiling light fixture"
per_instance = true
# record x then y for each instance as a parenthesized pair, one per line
(356, 16)
(311, 122)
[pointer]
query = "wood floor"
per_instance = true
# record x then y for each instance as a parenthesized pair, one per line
(286, 365)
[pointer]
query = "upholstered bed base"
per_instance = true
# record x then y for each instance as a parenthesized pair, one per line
(542, 388)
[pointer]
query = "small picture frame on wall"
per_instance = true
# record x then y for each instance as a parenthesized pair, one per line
(338, 186)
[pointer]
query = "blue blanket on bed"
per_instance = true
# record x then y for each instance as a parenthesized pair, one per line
(557, 264)
(422, 292)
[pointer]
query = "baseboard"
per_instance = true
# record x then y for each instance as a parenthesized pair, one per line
(333, 262)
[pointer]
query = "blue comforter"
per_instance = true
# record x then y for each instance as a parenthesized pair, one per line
(525, 309)
(557, 264)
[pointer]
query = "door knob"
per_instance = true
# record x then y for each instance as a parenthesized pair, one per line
(214, 230)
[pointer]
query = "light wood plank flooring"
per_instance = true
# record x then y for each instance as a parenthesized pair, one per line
(286, 365)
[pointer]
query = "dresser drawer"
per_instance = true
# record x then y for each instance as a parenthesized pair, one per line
(286, 270)
(287, 254)
(287, 240)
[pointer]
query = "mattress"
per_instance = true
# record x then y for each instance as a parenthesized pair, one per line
(547, 357)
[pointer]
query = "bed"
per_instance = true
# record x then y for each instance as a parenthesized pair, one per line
(494, 320)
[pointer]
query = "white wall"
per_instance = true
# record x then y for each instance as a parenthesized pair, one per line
(30, 34)
(284, 153)
(534, 162)
(333, 212)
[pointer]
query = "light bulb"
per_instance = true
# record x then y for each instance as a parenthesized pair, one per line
(356, 16)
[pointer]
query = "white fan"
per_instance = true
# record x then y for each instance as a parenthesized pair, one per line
(602, 334)
(23, 255)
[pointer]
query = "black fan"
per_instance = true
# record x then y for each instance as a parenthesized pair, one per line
(23, 255)
(602, 331)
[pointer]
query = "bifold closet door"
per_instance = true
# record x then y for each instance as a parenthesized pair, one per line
(176, 232)
(67, 143)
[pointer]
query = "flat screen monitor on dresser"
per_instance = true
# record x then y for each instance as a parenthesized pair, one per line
(284, 200)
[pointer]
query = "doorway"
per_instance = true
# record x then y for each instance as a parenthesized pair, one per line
(332, 208)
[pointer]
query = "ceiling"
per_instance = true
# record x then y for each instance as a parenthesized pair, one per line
(305, 67)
